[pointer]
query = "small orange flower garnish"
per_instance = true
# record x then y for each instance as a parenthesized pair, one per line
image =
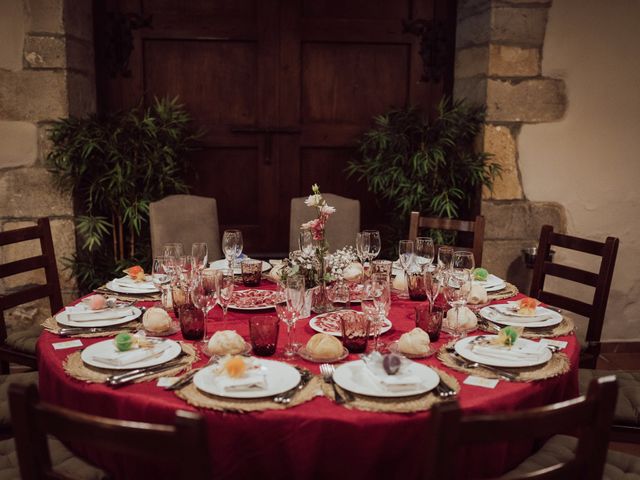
(528, 306)
(235, 367)
(136, 272)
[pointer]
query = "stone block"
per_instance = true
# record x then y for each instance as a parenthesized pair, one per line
(474, 89)
(12, 22)
(44, 144)
(64, 244)
(509, 61)
(521, 220)
(504, 259)
(33, 95)
(18, 144)
(30, 193)
(529, 101)
(45, 16)
(499, 141)
(467, 8)
(80, 56)
(78, 19)
(45, 52)
(472, 61)
(517, 25)
(82, 94)
(474, 30)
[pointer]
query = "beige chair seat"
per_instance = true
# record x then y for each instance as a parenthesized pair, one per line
(62, 459)
(561, 448)
(25, 339)
(628, 405)
(6, 380)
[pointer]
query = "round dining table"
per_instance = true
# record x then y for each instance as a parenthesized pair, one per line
(314, 440)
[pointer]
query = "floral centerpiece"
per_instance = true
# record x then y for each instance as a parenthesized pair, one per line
(317, 225)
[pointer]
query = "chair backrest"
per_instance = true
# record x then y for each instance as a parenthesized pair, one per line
(46, 260)
(601, 281)
(589, 417)
(341, 228)
(474, 227)
(184, 443)
(185, 219)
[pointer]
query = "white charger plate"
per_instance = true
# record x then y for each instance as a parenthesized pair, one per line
(352, 377)
(107, 347)
(462, 349)
(62, 320)
(224, 265)
(554, 319)
(280, 377)
(316, 323)
(118, 288)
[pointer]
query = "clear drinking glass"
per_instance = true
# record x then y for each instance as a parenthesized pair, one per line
(374, 244)
(286, 316)
(160, 279)
(362, 246)
(376, 305)
(458, 284)
(432, 284)
(224, 287)
(339, 295)
(204, 294)
(424, 251)
(232, 246)
(295, 296)
(199, 255)
(407, 257)
(305, 241)
(445, 257)
(463, 259)
(170, 252)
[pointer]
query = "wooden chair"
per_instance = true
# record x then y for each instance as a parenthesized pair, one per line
(475, 227)
(590, 417)
(601, 281)
(10, 347)
(184, 443)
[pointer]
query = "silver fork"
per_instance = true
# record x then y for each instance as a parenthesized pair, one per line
(327, 372)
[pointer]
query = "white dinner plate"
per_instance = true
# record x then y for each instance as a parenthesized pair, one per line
(280, 377)
(61, 318)
(114, 286)
(463, 349)
(352, 377)
(107, 347)
(252, 292)
(554, 318)
(496, 288)
(330, 324)
(223, 265)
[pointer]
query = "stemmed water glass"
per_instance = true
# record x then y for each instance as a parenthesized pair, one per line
(458, 282)
(424, 251)
(375, 304)
(204, 294)
(232, 246)
(294, 296)
(374, 244)
(224, 291)
(172, 251)
(407, 257)
(306, 242)
(160, 278)
(362, 246)
(286, 315)
(463, 259)
(433, 280)
(445, 257)
(199, 255)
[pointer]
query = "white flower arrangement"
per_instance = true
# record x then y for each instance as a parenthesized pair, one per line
(340, 260)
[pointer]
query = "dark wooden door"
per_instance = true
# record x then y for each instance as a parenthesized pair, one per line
(282, 88)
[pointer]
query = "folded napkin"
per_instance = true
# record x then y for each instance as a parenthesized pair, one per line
(120, 359)
(127, 282)
(519, 351)
(254, 379)
(80, 313)
(509, 310)
(399, 382)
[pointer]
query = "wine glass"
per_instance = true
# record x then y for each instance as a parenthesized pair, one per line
(433, 280)
(339, 295)
(424, 251)
(458, 282)
(374, 244)
(204, 294)
(305, 241)
(171, 251)
(200, 255)
(160, 278)
(376, 303)
(295, 297)
(463, 259)
(362, 246)
(224, 289)
(407, 256)
(232, 246)
(445, 257)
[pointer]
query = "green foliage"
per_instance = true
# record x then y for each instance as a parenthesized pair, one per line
(414, 164)
(114, 166)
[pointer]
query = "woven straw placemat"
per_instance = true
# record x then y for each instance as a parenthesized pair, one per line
(76, 368)
(54, 327)
(199, 399)
(507, 292)
(558, 365)
(565, 327)
(415, 403)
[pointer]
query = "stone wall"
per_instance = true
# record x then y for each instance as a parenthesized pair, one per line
(498, 63)
(46, 72)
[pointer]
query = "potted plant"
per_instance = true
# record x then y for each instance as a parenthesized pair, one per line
(413, 163)
(114, 166)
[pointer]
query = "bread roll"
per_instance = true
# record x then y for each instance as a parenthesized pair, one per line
(465, 319)
(477, 295)
(415, 342)
(353, 273)
(323, 346)
(226, 342)
(399, 282)
(156, 320)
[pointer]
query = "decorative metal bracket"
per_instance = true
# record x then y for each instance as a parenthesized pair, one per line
(433, 47)
(118, 40)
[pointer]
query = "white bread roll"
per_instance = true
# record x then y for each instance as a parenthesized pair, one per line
(323, 346)
(477, 295)
(353, 273)
(226, 342)
(466, 319)
(156, 320)
(415, 342)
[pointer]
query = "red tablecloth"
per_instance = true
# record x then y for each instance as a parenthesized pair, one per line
(315, 440)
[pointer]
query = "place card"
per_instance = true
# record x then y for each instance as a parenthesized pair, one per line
(164, 382)
(67, 344)
(553, 343)
(481, 381)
